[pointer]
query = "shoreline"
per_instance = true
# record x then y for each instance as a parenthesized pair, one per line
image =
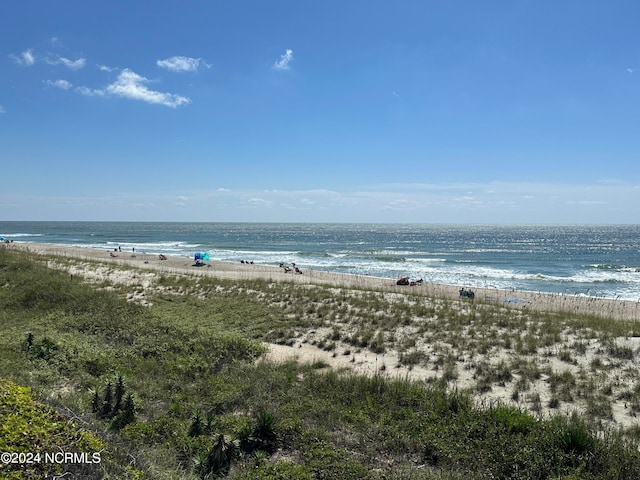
(540, 301)
(574, 352)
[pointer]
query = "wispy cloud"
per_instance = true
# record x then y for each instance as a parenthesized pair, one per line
(181, 64)
(90, 92)
(1, 109)
(461, 203)
(133, 86)
(285, 59)
(26, 58)
(62, 84)
(73, 64)
(259, 202)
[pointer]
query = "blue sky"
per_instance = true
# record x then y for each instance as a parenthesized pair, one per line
(519, 111)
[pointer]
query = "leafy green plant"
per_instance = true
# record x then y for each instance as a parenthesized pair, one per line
(196, 428)
(127, 415)
(264, 434)
(113, 405)
(575, 436)
(29, 426)
(218, 460)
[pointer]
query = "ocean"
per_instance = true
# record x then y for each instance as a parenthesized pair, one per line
(591, 260)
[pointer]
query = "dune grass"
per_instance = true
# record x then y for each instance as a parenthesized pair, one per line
(204, 404)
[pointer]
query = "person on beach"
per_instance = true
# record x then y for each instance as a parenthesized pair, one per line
(467, 293)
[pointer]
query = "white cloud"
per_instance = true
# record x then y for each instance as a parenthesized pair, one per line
(104, 68)
(62, 84)
(259, 202)
(71, 64)
(285, 59)
(131, 85)
(1, 109)
(90, 92)
(181, 64)
(26, 58)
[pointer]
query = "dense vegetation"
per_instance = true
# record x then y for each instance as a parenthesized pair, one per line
(176, 391)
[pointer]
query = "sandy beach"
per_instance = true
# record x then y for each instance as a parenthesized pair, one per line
(582, 351)
(580, 304)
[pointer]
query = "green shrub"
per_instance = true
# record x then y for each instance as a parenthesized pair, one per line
(278, 471)
(28, 426)
(325, 462)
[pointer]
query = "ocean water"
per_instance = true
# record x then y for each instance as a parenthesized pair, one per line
(592, 260)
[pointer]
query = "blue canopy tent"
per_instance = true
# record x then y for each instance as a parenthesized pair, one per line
(201, 256)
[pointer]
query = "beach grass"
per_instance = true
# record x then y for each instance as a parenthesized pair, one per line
(455, 389)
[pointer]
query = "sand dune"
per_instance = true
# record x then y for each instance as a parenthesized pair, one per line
(537, 395)
(609, 308)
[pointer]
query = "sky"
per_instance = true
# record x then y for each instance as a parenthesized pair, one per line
(423, 111)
